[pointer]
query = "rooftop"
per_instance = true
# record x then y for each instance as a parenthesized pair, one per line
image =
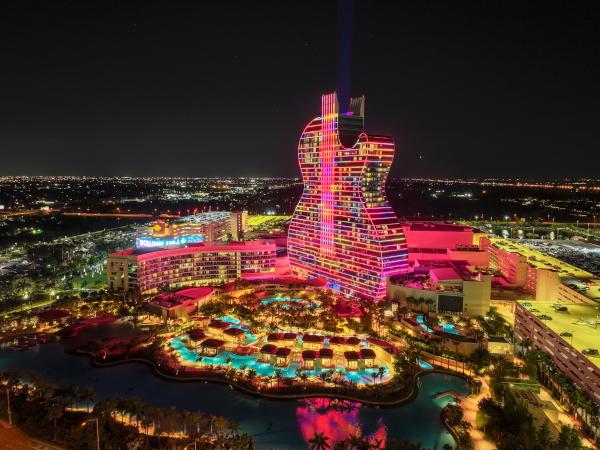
(436, 226)
(578, 279)
(173, 299)
(213, 343)
(234, 331)
(541, 260)
(580, 320)
(268, 348)
(445, 274)
(197, 248)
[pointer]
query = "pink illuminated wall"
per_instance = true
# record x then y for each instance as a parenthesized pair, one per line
(343, 229)
(433, 235)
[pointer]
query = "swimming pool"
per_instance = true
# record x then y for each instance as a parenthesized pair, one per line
(268, 301)
(229, 320)
(362, 376)
(424, 364)
(449, 328)
(282, 424)
(446, 327)
(421, 322)
(235, 323)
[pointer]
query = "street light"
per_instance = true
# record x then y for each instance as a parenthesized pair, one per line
(97, 431)
(8, 406)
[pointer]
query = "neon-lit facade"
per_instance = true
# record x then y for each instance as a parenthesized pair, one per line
(204, 227)
(343, 229)
(149, 270)
(160, 242)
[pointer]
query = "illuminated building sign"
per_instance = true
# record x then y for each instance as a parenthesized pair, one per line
(144, 242)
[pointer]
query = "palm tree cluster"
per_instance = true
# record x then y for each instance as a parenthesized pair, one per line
(494, 324)
(512, 427)
(575, 400)
(56, 413)
(421, 304)
(453, 414)
(322, 442)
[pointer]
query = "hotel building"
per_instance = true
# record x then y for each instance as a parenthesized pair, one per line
(343, 229)
(204, 227)
(149, 269)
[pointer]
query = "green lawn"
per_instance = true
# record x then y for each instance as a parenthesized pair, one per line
(481, 420)
(97, 281)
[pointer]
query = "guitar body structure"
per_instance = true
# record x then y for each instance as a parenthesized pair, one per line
(343, 229)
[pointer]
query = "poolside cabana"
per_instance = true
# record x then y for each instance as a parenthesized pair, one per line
(275, 337)
(308, 359)
(218, 325)
(326, 358)
(282, 356)
(266, 352)
(235, 336)
(290, 339)
(337, 344)
(367, 357)
(352, 343)
(351, 358)
(312, 341)
(196, 336)
(212, 347)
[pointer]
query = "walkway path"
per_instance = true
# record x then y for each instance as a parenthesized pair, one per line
(470, 408)
(12, 438)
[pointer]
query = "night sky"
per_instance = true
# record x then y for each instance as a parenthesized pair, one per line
(224, 88)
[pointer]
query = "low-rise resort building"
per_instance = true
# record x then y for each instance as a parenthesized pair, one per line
(147, 270)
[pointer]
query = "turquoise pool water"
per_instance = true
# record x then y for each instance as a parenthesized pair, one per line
(268, 301)
(449, 328)
(229, 320)
(362, 376)
(424, 364)
(446, 327)
(421, 322)
(235, 323)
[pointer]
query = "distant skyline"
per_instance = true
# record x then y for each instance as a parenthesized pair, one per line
(142, 88)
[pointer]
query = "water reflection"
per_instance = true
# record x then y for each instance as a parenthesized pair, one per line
(339, 420)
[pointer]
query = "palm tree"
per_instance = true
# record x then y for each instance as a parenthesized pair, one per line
(380, 373)
(595, 423)
(429, 302)
(357, 442)
(303, 376)
(323, 377)
(403, 310)
(319, 442)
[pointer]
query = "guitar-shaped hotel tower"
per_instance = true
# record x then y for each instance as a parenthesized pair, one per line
(343, 228)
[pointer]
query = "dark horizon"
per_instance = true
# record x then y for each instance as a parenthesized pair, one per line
(472, 90)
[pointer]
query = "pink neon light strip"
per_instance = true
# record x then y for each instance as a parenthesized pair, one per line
(327, 166)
